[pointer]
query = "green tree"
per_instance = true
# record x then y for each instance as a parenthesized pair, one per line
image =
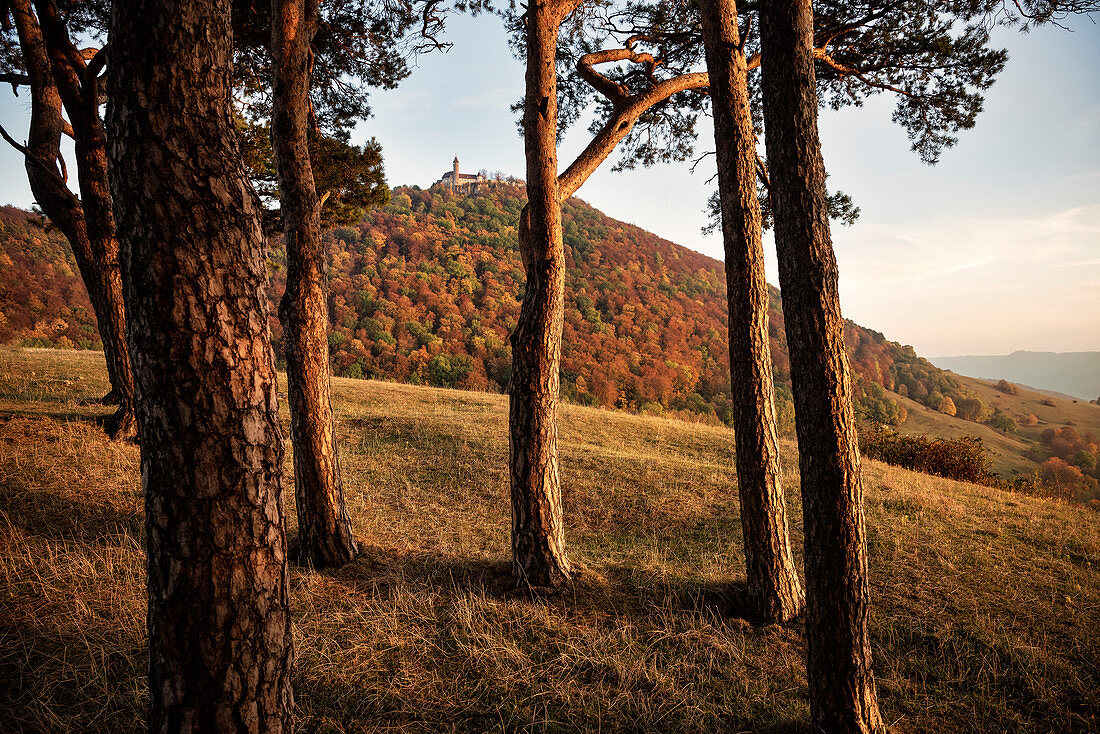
(970, 409)
(1002, 421)
(1085, 461)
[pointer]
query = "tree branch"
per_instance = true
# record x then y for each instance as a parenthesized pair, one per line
(60, 179)
(16, 81)
(822, 55)
(619, 125)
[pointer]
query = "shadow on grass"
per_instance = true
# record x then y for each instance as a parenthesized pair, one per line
(56, 670)
(620, 592)
(617, 651)
(55, 516)
(76, 415)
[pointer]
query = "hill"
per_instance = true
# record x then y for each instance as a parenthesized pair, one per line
(1071, 373)
(43, 302)
(428, 289)
(983, 612)
(1022, 449)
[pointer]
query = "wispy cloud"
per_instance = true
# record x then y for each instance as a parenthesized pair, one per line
(971, 281)
(1085, 124)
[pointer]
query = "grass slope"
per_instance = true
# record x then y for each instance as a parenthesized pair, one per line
(1006, 451)
(985, 602)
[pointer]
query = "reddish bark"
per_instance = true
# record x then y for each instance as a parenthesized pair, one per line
(324, 527)
(220, 651)
(774, 590)
(842, 686)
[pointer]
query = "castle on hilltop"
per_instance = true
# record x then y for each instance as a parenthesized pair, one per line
(461, 181)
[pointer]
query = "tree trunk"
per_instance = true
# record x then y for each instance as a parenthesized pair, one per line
(538, 533)
(67, 212)
(211, 450)
(79, 89)
(324, 528)
(842, 686)
(774, 591)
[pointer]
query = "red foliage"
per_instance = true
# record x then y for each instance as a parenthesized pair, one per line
(427, 290)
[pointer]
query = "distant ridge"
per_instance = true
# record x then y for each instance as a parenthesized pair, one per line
(1072, 373)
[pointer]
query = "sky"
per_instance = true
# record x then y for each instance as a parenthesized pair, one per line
(996, 248)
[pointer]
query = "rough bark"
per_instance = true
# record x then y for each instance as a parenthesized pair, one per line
(211, 450)
(43, 153)
(842, 686)
(324, 528)
(43, 150)
(775, 593)
(538, 533)
(78, 86)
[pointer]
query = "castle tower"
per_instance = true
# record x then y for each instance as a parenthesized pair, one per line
(454, 176)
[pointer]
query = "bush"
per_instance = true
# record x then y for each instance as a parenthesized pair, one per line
(961, 458)
(1007, 387)
(1084, 461)
(1002, 421)
(970, 409)
(1063, 480)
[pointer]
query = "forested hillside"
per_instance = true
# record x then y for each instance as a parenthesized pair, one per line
(42, 299)
(427, 290)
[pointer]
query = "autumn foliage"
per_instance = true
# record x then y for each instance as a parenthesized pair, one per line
(427, 290)
(43, 302)
(961, 458)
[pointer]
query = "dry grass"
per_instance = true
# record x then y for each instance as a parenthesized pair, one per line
(1006, 451)
(985, 602)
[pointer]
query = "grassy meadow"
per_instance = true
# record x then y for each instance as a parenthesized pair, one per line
(1006, 451)
(985, 602)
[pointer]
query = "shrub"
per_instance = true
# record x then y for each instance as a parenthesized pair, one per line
(970, 409)
(1002, 421)
(961, 458)
(1084, 461)
(1063, 480)
(1007, 387)
(947, 406)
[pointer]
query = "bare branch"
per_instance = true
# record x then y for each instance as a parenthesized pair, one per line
(14, 143)
(16, 81)
(695, 163)
(60, 179)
